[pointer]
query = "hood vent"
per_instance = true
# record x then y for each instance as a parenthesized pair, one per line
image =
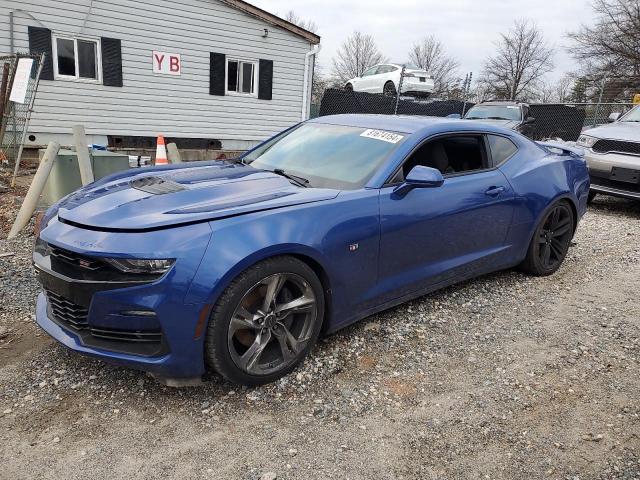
(156, 185)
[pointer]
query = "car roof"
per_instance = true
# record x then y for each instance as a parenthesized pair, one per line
(407, 123)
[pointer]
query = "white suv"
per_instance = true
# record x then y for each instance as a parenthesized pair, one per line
(385, 78)
(613, 155)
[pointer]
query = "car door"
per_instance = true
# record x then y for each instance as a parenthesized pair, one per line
(366, 83)
(380, 78)
(431, 236)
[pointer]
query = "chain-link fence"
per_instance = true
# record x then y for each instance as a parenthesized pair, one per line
(550, 120)
(336, 101)
(19, 76)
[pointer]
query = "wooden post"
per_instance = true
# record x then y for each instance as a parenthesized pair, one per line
(30, 201)
(82, 151)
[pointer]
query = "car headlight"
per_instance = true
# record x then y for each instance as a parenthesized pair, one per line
(586, 141)
(127, 265)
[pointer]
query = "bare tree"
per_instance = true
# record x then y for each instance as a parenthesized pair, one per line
(356, 54)
(564, 87)
(293, 17)
(609, 46)
(429, 54)
(521, 60)
(544, 93)
(554, 91)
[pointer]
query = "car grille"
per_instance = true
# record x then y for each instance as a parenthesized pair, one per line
(625, 186)
(67, 256)
(620, 146)
(74, 317)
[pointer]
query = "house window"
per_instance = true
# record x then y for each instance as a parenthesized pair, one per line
(76, 58)
(241, 77)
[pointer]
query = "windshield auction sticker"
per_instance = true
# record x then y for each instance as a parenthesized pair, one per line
(382, 135)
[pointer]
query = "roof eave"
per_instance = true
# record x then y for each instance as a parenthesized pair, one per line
(273, 20)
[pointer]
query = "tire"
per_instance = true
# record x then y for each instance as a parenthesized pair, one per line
(389, 89)
(251, 345)
(551, 240)
(592, 195)
(348, 87)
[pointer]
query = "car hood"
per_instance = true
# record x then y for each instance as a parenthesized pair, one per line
(157, 198)
(629, 131)
(502, 123)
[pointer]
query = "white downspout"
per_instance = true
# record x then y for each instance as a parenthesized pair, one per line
(306, 93)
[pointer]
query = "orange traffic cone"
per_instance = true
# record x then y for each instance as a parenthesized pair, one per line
(161, 152)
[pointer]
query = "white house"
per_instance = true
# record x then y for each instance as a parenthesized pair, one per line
(219, 74)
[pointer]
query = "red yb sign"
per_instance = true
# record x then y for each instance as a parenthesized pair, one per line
(166, 63)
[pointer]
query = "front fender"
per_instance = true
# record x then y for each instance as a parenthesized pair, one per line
(214, 275)
(341, 236)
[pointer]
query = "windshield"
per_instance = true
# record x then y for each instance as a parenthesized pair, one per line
(632, 116)
(494, 112)
(328, 156)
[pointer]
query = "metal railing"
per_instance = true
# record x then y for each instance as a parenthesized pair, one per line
(15, 113)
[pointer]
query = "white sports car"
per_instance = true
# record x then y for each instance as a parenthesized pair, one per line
(385, 78)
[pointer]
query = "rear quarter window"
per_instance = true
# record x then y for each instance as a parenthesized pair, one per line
(502, 149)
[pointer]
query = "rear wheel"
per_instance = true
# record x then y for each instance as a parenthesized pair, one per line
(550, 241)
(348, 87)
(266, 322)
(389, 89)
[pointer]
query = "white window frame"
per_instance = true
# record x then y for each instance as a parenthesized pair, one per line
(255, 64)
(76, 77)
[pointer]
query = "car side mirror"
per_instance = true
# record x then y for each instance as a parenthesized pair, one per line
(454, 115)
(529, 120)
(420, 177)
(614, 117)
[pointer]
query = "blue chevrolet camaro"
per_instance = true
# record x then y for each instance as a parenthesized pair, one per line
(239, 266)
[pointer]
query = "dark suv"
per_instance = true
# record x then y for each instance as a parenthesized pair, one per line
(509, 114)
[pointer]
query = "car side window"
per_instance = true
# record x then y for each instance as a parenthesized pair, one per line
(370, 71)
(385, 69)
(502, 149)
(452, 155)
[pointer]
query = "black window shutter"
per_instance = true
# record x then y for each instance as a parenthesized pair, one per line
(111, 62)
(265, 80)
(40, 42)
(217, 66)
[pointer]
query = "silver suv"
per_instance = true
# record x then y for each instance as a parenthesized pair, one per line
(613, 154)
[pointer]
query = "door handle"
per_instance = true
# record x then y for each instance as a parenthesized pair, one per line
(494, 191)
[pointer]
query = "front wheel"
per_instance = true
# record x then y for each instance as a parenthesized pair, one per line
(265, 322)
(550, 241)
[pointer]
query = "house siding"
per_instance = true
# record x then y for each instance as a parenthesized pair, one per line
(149, 104)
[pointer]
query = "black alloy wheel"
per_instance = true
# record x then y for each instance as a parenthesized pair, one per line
(555, 236)
(551, 240)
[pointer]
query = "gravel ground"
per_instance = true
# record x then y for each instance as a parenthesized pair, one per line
(505, 376)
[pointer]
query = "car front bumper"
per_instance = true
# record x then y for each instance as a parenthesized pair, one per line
(612, 174)
(146, 324)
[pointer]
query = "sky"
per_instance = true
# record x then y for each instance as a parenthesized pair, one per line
(467, 28)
